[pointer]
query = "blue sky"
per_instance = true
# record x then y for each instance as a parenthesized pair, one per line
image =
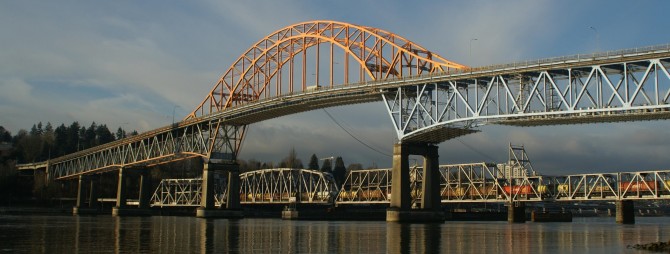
(132, 63)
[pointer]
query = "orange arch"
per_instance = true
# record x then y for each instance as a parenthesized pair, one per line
(378, 53)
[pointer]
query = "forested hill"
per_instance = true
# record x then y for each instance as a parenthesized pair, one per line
(44, 141)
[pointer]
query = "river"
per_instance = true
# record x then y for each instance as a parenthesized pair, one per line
(170, 234)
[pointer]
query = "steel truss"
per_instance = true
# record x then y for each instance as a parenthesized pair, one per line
(484, 182)
(213, 140)
(621, 86)
(612, 186)
(285, 185)
(367, 186)
(186, 192)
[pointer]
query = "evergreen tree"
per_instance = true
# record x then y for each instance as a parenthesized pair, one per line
(49, 139)
(90, 136)
(60, 145)
(103, 135)
(5, 135)
(72, 138)
(327, 166)
(340, 171)
(313, 162)
(120, 133)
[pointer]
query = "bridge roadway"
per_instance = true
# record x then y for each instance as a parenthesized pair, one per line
(194, 137)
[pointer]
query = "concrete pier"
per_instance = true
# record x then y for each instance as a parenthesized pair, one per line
(625, 212)
(516, 212)
(91, 207)
(207, 209)
(400, 210)
(121, 208)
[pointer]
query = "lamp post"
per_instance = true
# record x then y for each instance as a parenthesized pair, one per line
(470, 54)
(597, 38)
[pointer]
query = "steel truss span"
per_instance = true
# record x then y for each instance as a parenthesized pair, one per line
(627, 85)
(185, 192)
(266, 186)
(484, 182)
(208, 139)
(285, 186)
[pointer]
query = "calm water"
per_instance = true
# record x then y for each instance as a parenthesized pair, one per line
(106, 234)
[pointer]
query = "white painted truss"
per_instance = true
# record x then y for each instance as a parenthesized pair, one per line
(485, 182)
(286, 186)
(606, 88)
(265, 186)
(186, 192)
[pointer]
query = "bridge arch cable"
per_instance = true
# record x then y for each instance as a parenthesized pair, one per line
(302, 58)
(354, 137)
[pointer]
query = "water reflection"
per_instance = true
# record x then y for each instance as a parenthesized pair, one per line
(82, 234)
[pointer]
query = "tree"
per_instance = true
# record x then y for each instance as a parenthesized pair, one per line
(5, 135)
(72, 138)
(291, 161)
(340, 171)
(103, 135)
(313, 162)
(327, 166)
(120, 133)
(89, 137)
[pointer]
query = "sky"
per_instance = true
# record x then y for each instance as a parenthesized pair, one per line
(139, 64)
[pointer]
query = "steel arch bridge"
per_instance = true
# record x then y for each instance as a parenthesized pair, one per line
(269, 80)
(265, 186)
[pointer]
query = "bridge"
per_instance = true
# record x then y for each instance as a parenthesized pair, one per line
(512, 182)
(428, 98)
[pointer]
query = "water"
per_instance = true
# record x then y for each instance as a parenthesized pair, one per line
(164, 234)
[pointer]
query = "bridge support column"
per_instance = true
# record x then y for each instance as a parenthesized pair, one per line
(401, 202)
(121, 208)
(207, 209)
(92, 206)
(93, 193)
(121, 194)
(145, 190)
(625, 212)
(516, 212)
